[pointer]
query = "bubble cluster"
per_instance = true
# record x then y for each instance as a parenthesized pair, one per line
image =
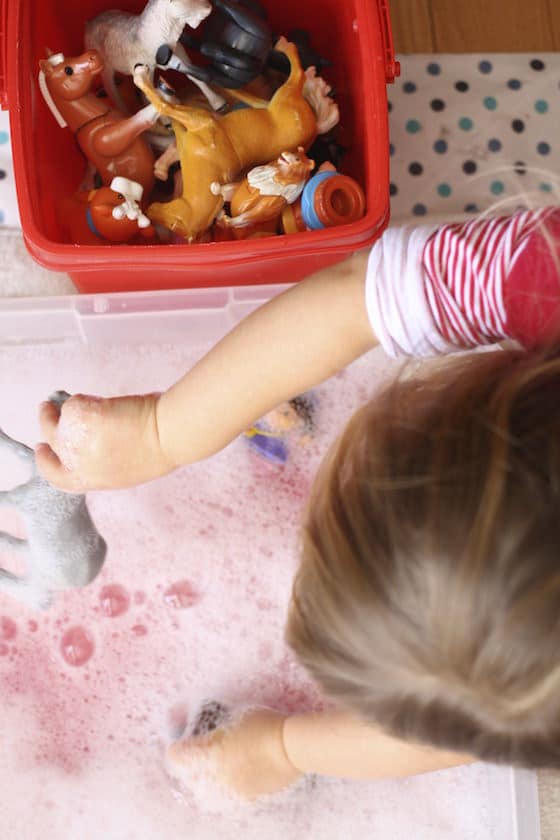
(181, 595)
(77, 646)
(114, 599)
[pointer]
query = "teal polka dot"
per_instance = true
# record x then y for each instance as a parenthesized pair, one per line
(413, 126)
(490, 102)
(3, 137)
(545, 187)
(541, 106)
(444, 190)
(466, 124)
(497, 187)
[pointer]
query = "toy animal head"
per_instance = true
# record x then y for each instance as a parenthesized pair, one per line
(70, 78)
(191, 12)
(62, 78)
(292, 167)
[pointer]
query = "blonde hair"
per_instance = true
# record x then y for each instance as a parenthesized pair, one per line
(428, 596)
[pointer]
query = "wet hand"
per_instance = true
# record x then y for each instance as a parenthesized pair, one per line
(247, 758)
(98, 444)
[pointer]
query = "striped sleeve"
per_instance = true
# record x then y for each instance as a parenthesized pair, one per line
(441, 289)
(466, 269)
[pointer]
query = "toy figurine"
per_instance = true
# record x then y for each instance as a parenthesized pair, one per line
(216, 149)
(264, 193)
(110, 142)
(63, 548)
(330, 199)
(107, 215)
(268, 437)
(125, 40)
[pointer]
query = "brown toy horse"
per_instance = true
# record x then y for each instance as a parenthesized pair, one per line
(110, 141)
(217, 149)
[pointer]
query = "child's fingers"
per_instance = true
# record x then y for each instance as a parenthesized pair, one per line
(52, 470)
(49, 415)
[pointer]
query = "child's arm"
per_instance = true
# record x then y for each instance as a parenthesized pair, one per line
(338, 744)
(265, 753)
(295, 341)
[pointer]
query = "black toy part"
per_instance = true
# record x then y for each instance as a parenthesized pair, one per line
(237, 41)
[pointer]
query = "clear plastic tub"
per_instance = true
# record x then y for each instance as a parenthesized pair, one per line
(45, 343)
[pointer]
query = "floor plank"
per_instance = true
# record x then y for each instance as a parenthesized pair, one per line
(412, 26)
(554, 15)
(476, 26)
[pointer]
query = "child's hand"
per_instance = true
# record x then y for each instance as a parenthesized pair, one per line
(248, 758)
(97, 444)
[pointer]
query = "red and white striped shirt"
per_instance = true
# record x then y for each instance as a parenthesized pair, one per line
(467, 271)
(457, 286)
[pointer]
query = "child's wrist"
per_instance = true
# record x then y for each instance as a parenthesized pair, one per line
(167, 458)
(285, 750)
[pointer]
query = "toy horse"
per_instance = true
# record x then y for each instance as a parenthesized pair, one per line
(217, 149)
(265, 192)
(107, 215)
(110, 141)
(124, 40)
(63, 548)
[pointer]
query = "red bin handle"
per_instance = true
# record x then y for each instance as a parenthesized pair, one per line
(3, 56)
(392, 67)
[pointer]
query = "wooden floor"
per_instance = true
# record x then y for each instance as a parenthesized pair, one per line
(457, 26)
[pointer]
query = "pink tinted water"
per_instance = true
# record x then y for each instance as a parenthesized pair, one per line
(190, 606)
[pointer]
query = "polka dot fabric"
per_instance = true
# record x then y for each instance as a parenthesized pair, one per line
(9, 216)
(472, 131)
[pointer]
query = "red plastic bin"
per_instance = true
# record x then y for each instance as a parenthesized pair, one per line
(355, 34)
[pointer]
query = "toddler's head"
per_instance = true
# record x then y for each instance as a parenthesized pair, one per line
(428, 597)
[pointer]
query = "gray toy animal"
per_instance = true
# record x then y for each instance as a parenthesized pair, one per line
(124, 40)
(63, 548)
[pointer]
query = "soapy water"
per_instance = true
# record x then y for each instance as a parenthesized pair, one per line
(190, 607)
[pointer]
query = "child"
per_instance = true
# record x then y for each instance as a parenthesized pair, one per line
(426, 604)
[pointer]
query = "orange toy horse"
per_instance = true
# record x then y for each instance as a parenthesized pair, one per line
(263, 194)
(217, 149)
(110, 141)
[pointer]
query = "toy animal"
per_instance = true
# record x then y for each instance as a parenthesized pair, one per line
(265, 191)
(110, 141)
(217, 149)
(125, 40)
(106, 215)
(63, 548)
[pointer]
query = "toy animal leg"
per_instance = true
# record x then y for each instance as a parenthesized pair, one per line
(14, 544)
(114, 139)
(174, 215)
(297, 76)
(14, 497)
(165, 160)
(191, 118)
(23, 591)
(19, 449)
